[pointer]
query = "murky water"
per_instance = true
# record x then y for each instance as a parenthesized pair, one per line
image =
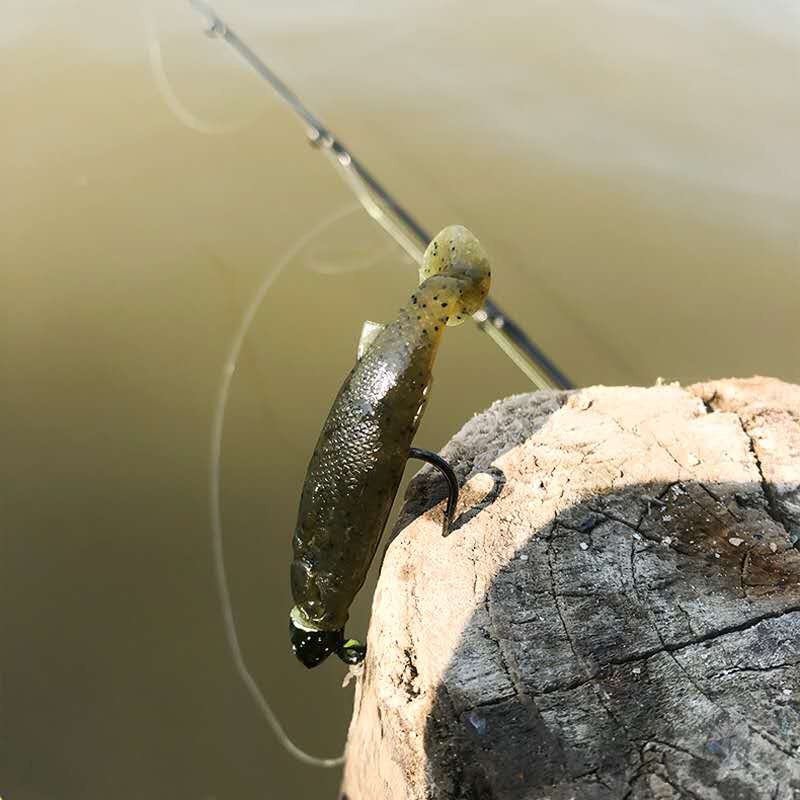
(633, 170)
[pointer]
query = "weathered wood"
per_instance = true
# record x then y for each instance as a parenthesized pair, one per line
(616, 614)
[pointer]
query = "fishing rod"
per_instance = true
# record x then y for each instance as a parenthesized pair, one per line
(389, 214)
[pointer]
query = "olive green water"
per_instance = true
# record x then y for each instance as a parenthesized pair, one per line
(632, 171)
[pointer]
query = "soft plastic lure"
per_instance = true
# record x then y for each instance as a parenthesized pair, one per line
(314, 595)
(358, 462)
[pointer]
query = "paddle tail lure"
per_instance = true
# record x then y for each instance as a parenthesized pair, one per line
(358, 463)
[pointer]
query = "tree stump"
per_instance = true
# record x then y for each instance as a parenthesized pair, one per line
(616, 613)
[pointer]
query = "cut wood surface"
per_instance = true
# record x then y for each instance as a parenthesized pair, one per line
(615, 615)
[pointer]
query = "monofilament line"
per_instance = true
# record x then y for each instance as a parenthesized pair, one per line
(217, 429)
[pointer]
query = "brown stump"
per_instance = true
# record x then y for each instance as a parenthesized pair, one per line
(615, 615)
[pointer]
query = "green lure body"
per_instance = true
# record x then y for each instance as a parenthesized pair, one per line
(358, 462)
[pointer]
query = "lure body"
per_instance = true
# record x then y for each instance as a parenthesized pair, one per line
(358, 462)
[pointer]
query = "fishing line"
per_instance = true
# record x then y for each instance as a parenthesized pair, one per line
(321, 265)
(217, 428)
(183, 114)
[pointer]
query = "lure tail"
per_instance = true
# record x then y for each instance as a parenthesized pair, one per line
(457, 269)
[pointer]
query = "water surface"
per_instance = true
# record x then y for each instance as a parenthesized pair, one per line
(632, 169)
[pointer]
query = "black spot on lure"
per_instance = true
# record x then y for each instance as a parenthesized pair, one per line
(358, 462)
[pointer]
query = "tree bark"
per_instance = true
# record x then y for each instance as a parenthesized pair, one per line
(615, 615)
